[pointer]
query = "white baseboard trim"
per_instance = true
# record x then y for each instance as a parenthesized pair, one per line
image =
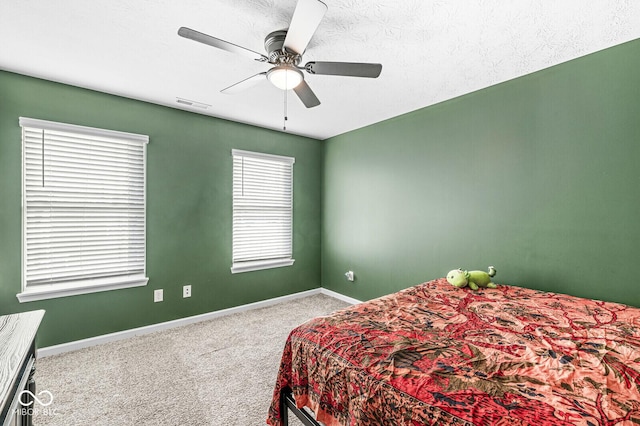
(119, 335)
(125, 334)
(339, 296)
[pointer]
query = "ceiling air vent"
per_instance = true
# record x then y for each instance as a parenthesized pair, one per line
(192, 103)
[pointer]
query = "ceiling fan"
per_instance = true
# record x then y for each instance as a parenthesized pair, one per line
(285, 49)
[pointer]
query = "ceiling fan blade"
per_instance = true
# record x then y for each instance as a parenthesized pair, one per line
(351, 69)
(305, 21)
(220, 44)
(306, 95)
(245, 84)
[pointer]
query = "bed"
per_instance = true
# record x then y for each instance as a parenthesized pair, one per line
(435, 354)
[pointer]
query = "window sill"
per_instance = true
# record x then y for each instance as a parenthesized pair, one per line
(52, 291)
(259, 265)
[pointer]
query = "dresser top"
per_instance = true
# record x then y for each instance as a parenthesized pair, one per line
(17, 332)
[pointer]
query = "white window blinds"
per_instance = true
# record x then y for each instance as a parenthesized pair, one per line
(83, 205)
(262, 211)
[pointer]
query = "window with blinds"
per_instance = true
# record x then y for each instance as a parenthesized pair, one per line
(83, 209)
(262, 211)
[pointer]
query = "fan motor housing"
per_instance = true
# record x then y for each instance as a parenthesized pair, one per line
(273, 44)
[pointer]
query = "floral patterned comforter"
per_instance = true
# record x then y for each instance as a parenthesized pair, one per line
(435, 354)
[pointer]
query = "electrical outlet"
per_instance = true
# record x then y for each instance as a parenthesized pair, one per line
(158, 295)
(350, 275)
(186, 290)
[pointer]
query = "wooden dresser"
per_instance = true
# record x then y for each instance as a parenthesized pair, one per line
(17, 365)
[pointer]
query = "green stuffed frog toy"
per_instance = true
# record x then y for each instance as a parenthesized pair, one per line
(474, 279)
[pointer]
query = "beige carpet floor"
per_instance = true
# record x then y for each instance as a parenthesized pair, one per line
(217, 372)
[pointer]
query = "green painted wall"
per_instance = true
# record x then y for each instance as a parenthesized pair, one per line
(538, 176)
(188, 210)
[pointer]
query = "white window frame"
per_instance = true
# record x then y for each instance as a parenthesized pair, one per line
(59, 287)
(242, 259)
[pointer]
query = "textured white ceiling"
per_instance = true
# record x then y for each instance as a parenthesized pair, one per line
(431, 50)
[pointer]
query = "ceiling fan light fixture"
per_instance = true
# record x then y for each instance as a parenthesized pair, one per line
(285, 77)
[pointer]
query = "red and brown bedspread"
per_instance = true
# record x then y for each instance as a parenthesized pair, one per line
(435, 354)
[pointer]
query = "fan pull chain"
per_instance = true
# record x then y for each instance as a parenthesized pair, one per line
(284, 124)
